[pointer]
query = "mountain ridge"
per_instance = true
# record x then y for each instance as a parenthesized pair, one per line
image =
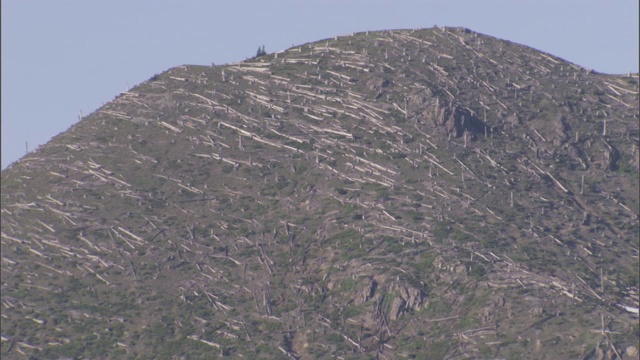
(386, 194)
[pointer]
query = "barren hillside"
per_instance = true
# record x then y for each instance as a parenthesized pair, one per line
(432, 193)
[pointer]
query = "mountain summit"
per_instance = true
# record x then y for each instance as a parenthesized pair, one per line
(432, 193)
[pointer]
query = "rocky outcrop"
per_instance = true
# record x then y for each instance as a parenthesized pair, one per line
(446, 119)
(407, 298)
(365, 290)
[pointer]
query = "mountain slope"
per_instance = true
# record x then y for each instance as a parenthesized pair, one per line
(409, 193)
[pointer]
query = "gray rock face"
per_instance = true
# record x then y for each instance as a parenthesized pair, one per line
(365, 291)
(407, 298)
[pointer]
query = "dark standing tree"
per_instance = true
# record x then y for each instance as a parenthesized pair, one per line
(261, 51)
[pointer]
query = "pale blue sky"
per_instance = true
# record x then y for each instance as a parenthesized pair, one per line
(66, 56)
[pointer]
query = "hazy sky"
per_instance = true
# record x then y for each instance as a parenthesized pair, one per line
(66, 56)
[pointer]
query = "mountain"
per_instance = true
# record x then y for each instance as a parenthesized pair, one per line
(430, 193)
